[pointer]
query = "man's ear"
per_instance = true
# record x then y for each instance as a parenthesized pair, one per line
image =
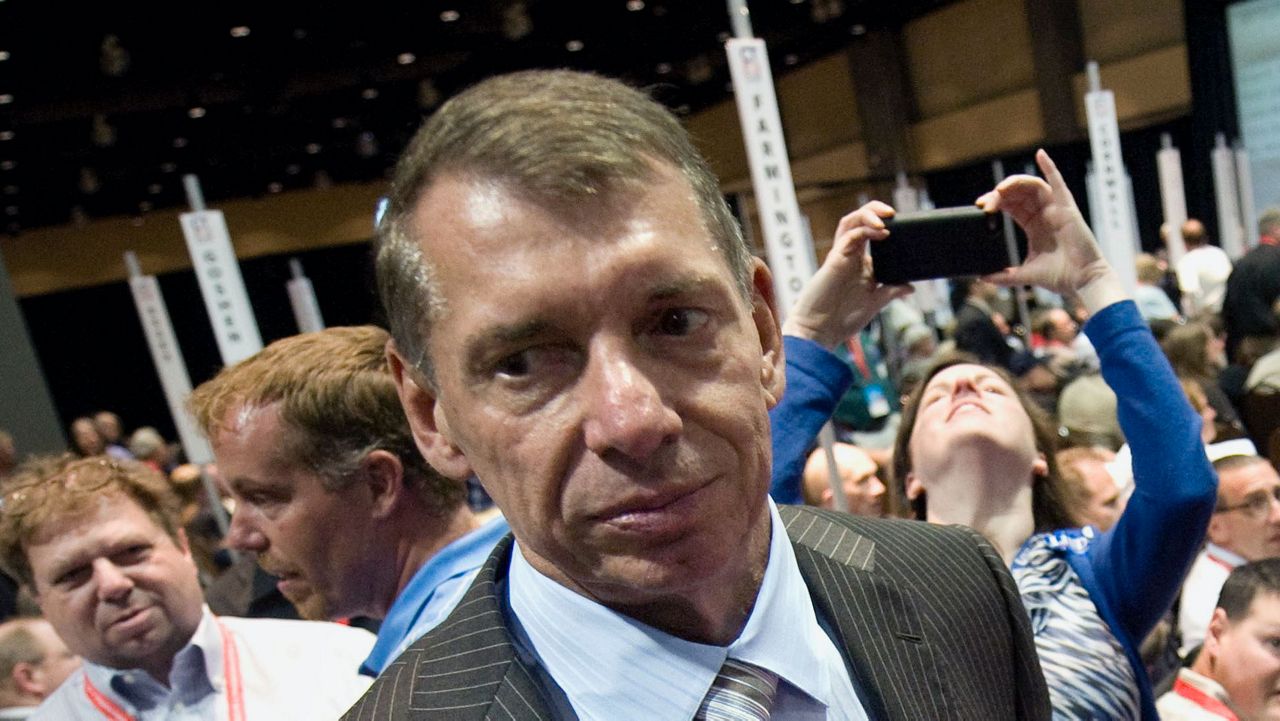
(28, 680)
(1218, 533)
(1219, 624)
(383, 474)
(913, 487)
(764, 311)
(1040, 467)
(426, 418)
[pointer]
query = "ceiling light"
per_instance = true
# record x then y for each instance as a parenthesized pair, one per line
(179, 142)
(299, 34)
(274, 187)
(7, 165)
(168, 167)
(10, 190)
(240, 31)
(4, 55)
(155, 188)
(145, 206)
(369, 93)
(450, 16)
(196, 112)
(573, 46)
(663, 68)
(791, 59)
(516, 23)
(11, 210)
(313, 148)
(858, 29)
(366, 145)
(6, 135)
(635, 5)
(292, 169)
(406, 58)
(339, 123)
(113, 58)
(6, 98)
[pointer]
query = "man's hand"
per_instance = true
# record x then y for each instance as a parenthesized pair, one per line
(1062, 254)
(843, 296)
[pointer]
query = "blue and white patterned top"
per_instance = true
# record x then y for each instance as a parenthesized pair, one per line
(1085, 666)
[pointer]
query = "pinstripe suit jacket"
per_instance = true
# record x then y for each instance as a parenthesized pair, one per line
(927, 617)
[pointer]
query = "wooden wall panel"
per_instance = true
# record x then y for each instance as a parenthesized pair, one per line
(968, 53)
(1149, 87)
(818, 106)
(45, 260)
(1119, 29)
(1008, 123)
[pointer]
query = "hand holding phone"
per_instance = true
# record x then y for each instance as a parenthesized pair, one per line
(942, 243)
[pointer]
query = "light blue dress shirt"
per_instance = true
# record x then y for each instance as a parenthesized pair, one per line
(614, 668)
(432, 593)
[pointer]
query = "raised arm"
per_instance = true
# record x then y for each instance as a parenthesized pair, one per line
(838, 301)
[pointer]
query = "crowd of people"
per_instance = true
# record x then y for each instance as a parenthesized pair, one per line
(580, 474)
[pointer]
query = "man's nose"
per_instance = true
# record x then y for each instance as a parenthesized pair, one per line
(243, 535)
(625, 411)
(113, 583)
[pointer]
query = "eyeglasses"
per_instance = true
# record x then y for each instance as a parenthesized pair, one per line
(1257, 504)
(84, 476)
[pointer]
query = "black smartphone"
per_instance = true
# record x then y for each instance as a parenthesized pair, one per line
(942, 243)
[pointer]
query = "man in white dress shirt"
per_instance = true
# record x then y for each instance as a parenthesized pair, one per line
(1245, 527)
(97, 543)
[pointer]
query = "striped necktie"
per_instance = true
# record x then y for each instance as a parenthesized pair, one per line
(741, 692)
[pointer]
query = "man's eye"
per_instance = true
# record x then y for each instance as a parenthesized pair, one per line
(514, 366)
(680, 321)
(75, 577)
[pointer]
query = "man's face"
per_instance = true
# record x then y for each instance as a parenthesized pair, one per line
(606, 382)
(115, 586)
(86, 437)
(1251, 528)
(108, 425)
(314, 540)
(863, 489)
(1104, 506)
(1065, 329)
(1245, 658)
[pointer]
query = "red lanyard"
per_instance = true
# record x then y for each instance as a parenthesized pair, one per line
(231, 676)
(1203, 700)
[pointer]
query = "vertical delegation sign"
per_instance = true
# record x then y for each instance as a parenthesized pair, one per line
(1112, 219)
(784, 233)
(1227, 195)
(170, 365)
(221, 286)
(302, 297)
(1173, 197)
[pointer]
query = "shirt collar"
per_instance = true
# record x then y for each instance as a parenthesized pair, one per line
(197, 671)
(605, 657)
(462, 555)
(1222, 555)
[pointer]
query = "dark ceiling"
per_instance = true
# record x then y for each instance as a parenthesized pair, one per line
(102, 111)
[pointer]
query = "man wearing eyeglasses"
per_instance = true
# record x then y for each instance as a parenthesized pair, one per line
(1245, 527)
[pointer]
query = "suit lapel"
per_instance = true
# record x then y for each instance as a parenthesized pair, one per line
(877, 624)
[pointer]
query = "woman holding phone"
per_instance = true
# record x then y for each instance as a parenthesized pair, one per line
(973, 450)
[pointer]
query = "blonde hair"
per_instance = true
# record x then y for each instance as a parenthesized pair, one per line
(47, 489)
(338, 403)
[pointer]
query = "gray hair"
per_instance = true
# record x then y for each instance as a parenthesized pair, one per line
(556, 138)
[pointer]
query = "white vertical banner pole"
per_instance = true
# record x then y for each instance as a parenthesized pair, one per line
(174, 380)
(1244, 185)
(1230, 234)
(1173, 197)
(1011, 244)
(775, 192)
(221, 286)
(302, 297)
(1110, 201)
